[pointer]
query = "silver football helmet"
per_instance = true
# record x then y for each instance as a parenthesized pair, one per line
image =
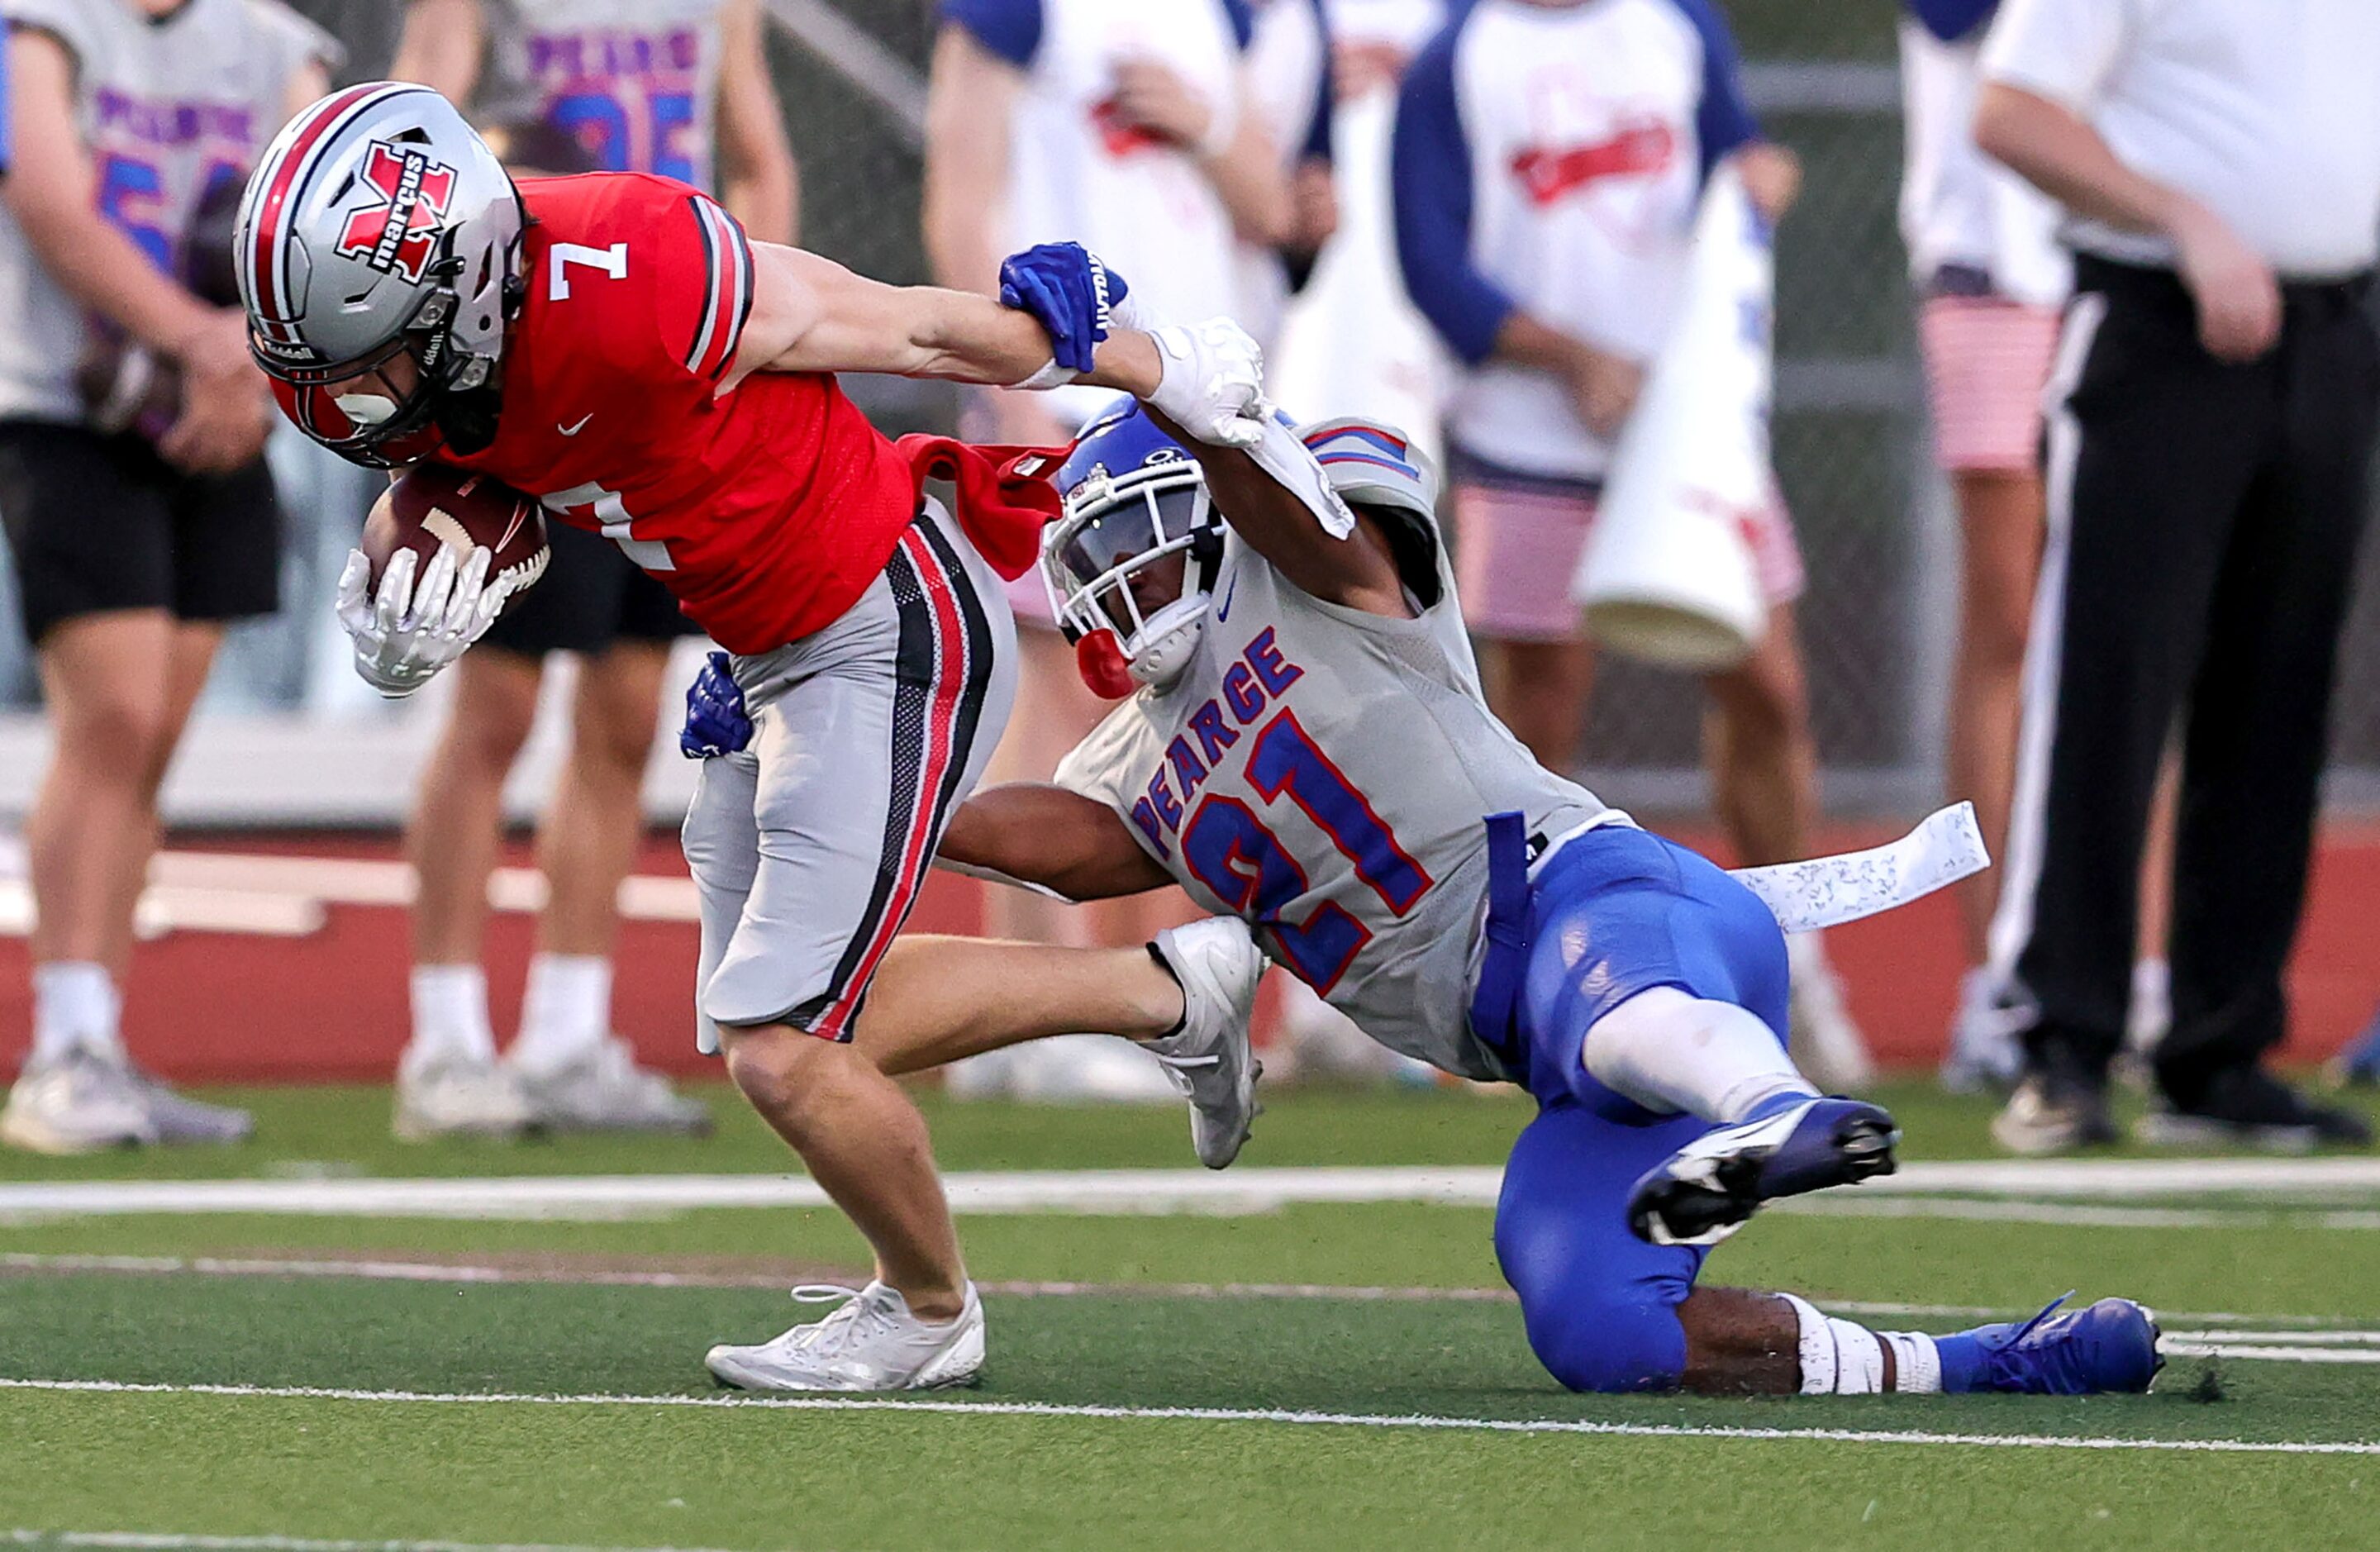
(378, 225)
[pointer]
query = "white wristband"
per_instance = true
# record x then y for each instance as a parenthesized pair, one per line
(1049, 375)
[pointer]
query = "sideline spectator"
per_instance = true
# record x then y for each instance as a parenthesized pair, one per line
(1990, 276)
(139, 525)
(1548, 158)
(1984, 256)
(675, 87)
(1131, 129)
(2212, 422)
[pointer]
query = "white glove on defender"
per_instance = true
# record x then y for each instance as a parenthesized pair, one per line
(407, 633)
(1213, 382)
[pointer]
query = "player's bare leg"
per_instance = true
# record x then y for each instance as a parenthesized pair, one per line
(448, 1080)
(866, 1145)
(1539, 689)
(939, 999)
(119, 687)
(1765, 785)
(1054, 712)
(1742, 1343)
(573, 1071)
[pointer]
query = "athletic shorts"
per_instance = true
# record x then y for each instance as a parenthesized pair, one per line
(1615, 911)
(1518, 539)
(1653, 914)
(808, 846)
(590, 596)
(1987, 362)
(98, 524)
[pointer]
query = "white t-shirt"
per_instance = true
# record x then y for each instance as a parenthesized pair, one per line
(2267, 111)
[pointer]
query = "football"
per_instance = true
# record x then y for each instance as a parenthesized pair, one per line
(436, 506)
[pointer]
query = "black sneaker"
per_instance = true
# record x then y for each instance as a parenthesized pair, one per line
(2247, 1107)
(2054, 1111)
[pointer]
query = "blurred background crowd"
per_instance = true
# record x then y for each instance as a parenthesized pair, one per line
(1307, 166)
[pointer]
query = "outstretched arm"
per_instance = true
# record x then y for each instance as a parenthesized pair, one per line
(811, 314)
(1052, 836)
(1358, 572)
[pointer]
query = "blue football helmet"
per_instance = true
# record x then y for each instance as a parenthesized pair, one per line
(1134, 500)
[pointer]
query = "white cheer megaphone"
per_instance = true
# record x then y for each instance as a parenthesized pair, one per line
(1668, 574)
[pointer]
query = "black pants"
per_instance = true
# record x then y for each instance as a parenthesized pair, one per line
(2203, 527)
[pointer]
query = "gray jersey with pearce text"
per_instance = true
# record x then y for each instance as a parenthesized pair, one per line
(636, 80)
(164, 107)
(1324, 773)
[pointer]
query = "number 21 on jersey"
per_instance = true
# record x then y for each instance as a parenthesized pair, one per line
(1230, 851)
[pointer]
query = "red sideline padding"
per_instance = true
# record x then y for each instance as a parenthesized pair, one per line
(220, 1007)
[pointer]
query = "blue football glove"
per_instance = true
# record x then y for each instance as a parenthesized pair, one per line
(715, 720)
(1069, 293)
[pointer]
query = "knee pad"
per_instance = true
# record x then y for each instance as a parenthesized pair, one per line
(1611, 1349)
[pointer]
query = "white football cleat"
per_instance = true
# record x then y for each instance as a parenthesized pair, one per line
(79, 1102)
(604, 1090)
(441, 1096)
(872, 1343)
(1219, 965)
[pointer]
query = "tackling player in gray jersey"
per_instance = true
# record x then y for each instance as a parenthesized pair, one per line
(1308, 749)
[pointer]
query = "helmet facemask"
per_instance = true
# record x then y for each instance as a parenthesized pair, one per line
(378, 408)
(1135, 558)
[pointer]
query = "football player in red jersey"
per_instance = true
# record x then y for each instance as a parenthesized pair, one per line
(612, 345)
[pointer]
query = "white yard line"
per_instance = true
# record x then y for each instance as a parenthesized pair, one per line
(1226, 1415)
(151, 1541)
(2224, 1327)
(1085, 1191)
(2036, 1188)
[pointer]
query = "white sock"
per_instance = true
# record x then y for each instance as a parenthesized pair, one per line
(1842, 1359)
(75, 1004)
(1805, 954)
(1671, 1052)
(450, 1014)
(567, 1011)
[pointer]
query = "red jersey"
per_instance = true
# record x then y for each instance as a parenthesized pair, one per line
(767, 510)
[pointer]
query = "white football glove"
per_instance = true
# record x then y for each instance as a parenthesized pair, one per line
(406, 634)
(1213, 382)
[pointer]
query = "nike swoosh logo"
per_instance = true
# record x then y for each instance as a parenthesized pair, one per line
(1223, 610)
(575, 429)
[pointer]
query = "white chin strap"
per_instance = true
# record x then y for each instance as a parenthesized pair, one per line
(1169, 641)
(367, 409)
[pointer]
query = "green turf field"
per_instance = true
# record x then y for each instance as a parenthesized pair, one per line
(1237, 1375)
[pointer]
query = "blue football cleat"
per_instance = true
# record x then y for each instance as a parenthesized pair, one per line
(2111, 1346)
(2359, 1065)
(1704, 1192)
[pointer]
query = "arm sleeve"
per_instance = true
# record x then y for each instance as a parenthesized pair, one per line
(1011, 28)
(2063, 50)
(1430, 179)
(1723, 120)
(1951, 19)
(1099, 766)
(675, 316)
(1326, 96)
